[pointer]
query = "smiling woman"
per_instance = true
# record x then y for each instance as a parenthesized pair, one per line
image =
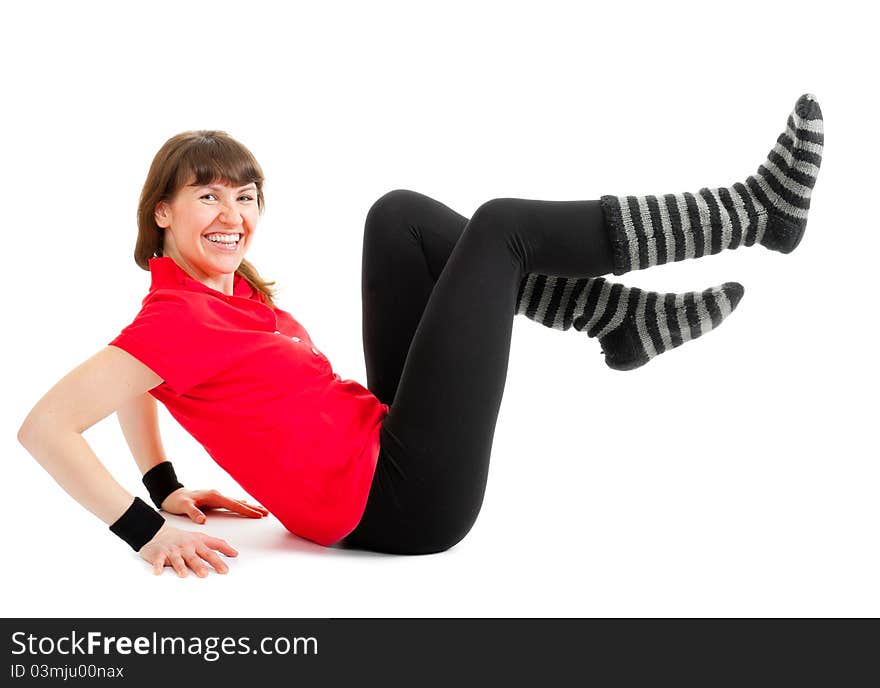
(399, 466)
(203, 183)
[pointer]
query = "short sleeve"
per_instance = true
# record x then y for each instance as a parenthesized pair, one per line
(173, 337)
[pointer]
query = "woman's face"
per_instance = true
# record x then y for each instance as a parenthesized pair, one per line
(226, 214)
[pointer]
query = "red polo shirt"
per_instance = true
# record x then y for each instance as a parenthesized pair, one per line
(246, 381)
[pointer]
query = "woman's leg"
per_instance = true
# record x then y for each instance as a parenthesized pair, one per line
(438, 434)
(407, 240)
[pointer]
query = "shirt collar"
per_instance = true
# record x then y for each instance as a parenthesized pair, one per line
(165, 274)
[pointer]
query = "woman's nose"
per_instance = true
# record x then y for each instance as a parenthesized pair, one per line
(230, 214)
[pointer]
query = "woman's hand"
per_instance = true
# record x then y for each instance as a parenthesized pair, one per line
(181, 548)
(187, 502)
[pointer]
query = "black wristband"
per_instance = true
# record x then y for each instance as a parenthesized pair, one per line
(160, 482)
(138, 524)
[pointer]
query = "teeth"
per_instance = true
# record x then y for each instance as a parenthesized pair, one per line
(223, 238)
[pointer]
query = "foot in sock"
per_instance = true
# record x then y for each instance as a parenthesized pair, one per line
(633, 326)
(770, 208)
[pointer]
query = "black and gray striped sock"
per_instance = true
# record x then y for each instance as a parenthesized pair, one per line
(770, 208)
(633, 326)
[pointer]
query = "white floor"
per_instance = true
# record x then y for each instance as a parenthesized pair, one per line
(739, 491)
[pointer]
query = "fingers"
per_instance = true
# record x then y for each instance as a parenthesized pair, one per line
(177, 563)
(195, 563)
(193, 512)
(194, 559)
(213, 499)
(256, 507)
(221, 546)
(241, 507)
(208, 555)
(185, 550)
(159, 564)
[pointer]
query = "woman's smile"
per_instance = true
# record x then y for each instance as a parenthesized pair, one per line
(224, 241)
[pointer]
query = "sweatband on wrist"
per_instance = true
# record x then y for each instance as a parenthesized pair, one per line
(138, 524)
(160, 482)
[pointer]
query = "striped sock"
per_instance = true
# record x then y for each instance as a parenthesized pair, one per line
(770, 208)
(633, 326)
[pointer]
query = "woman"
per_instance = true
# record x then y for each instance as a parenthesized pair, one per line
(401, 466)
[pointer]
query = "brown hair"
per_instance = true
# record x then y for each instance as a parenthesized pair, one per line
(211, 157)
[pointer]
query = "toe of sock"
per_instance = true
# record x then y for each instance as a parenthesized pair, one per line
(734, 292)
(807, 107)
(622, 349)
(615, 361)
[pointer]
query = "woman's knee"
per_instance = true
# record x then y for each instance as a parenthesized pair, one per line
(497, 224)
(496, 216)
(384, 230)
(392, 209)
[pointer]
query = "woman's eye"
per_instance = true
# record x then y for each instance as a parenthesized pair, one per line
(250, 198)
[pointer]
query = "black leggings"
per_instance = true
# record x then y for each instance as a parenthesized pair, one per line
(439, 293)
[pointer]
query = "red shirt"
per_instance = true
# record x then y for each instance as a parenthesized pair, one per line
(246, 381)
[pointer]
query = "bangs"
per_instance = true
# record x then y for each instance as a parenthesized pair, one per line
(211, 160)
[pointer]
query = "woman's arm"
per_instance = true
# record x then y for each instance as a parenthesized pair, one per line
(139, 420)
(52, 433)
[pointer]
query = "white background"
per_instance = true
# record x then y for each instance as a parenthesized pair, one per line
(734, 476)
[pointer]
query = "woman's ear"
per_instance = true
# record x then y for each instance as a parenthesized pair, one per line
(162, 214)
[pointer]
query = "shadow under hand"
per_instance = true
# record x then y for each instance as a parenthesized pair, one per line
(261, 534)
